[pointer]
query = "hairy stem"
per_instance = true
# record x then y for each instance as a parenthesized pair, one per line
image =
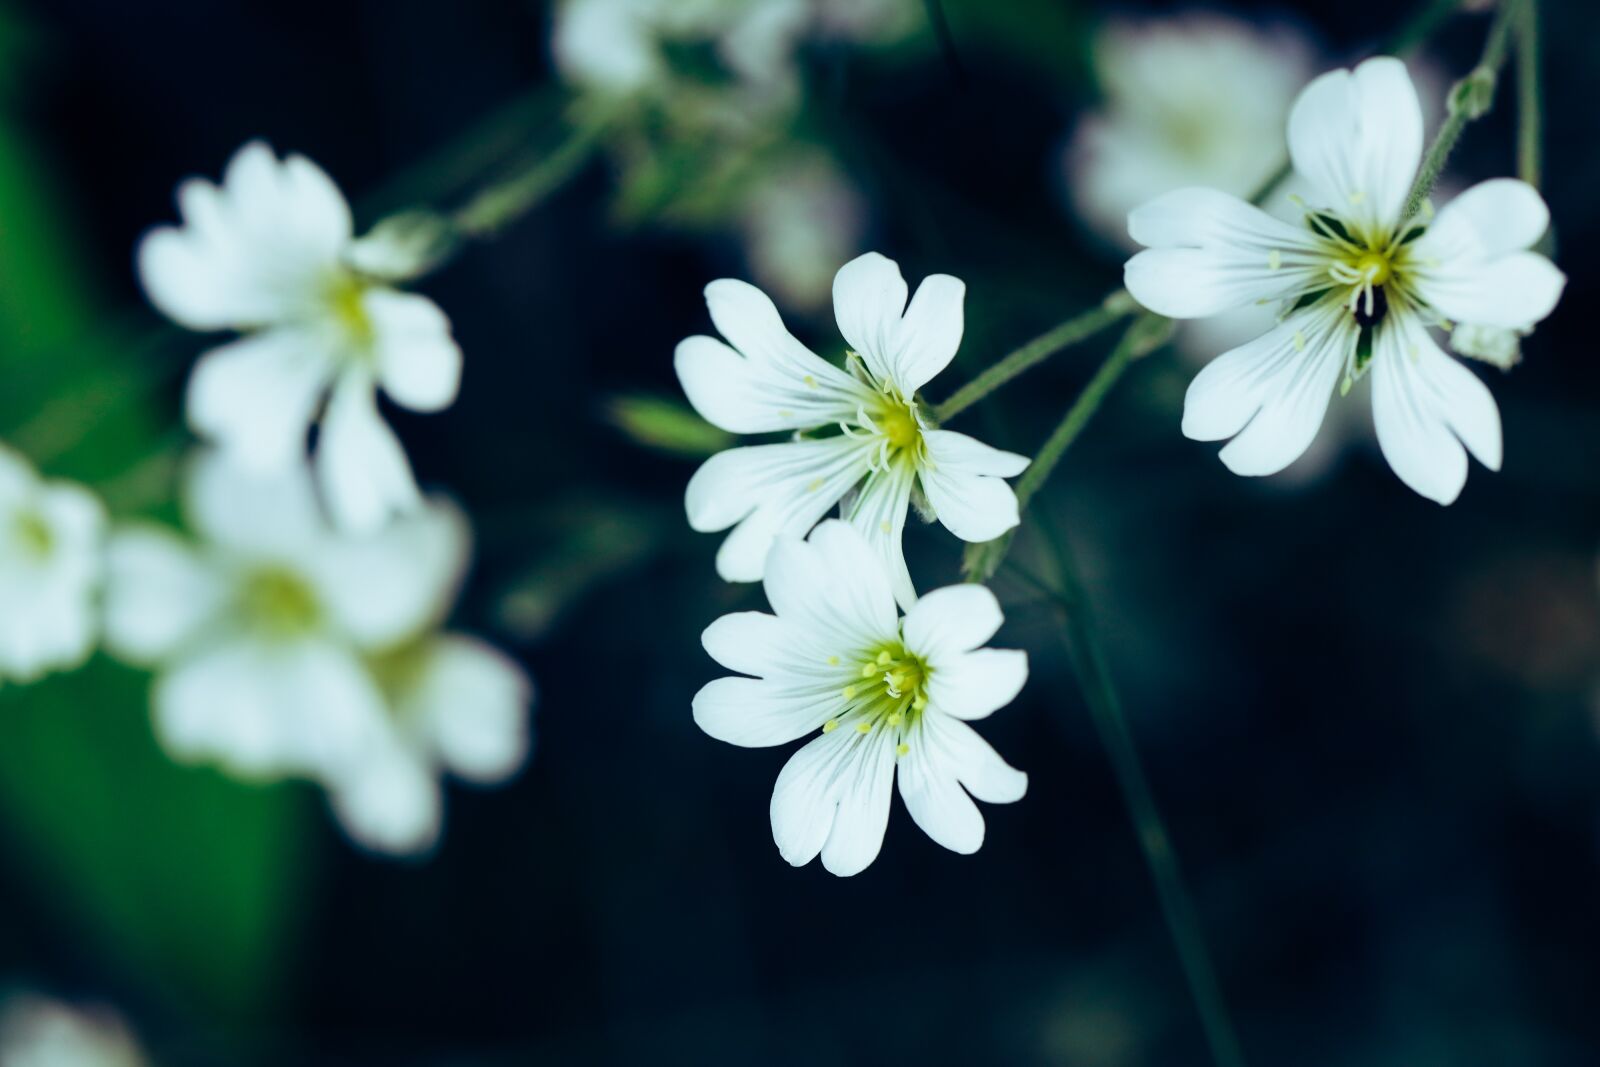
(1530, 110)
(1081, 327)
(1470, 99)
(1147, 333)
(1105, 708)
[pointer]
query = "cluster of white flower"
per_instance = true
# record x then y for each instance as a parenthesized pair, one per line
(300, 635)
(837, 654)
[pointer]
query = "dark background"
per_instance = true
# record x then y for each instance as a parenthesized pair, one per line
(1370, 721)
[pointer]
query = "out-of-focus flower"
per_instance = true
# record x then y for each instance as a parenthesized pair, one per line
(800, 222)
(51, 537)
(1496, 345)
(1189, 100)
(769, 382)
(39, 1032)
(260, 629)
(457, 705)
(290, 648)
(271, 253)
(884, 691)
(1361, 284)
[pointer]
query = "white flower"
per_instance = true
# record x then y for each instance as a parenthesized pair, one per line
(456, 705)
(271, 253)
(798, 223)
(884, 691)
(1189, 100)
(1360, 287)
(876, 436)
(39, 1032)
(260, 630)
(51, 536)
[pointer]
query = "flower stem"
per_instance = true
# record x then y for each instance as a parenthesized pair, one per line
(500, 204)
(1470, 99)
(1147, 333)
(1078, 328)
(1105, 708)
(1530, 112)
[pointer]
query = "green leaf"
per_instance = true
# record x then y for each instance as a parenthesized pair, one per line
(665, 425)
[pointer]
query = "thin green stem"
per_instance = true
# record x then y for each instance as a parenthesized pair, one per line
(1530, 108)
(1470, 99)
(1105, 708)
(1111, 310)
(500, 204)
(1147, 333)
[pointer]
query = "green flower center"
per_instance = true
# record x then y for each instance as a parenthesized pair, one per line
(32, 534)
(891, 693)
(345, 296)
(278, 602)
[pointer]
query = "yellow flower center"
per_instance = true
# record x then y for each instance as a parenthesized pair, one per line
(890, 693)
(33, 534)
(278, 602)
(1375, 267)
(345, 298)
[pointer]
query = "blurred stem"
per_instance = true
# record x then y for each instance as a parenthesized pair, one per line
(1112, 309)
(497, 206)
(1105, 709)
(1470, 99)
(1147, 333)
(1530, 111)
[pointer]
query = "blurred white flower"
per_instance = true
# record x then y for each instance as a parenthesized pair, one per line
(457, 705)
(769, 382)
(51, 536)
(1189, 100)
(884, 691)
(800, 222)
(39, 1032)
(271, 253)
(260, 629)
(1361, 286)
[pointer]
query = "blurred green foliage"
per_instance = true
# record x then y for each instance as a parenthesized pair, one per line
(184, 880)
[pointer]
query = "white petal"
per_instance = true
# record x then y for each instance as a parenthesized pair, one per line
(419, 364)
(1356, 136)
(952, 620)
(973, 760)
(386, 587)
(930, 333)
(755, 643)
(1211, 252)
(159, 594)
(833, 585)
(473, 700)
(257, 396)
(880, 514)
(771, 491)
(361, 466)
(934, 798)
(756, 713)
(758, 394)
(1272, 393)
(1510, 291)
(269, 709)
(973, 685)
(259, 249)
(1491, 219)
(1423, 401)
(960, 481)
(390, 803)
(865, 784)
(869, 296)
(248, 511)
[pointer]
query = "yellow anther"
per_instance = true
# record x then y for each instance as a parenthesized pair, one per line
(813, 485)
(863, 727)
(1299, 341)
(830, 726)
(884, 525)
(833, 661)
(1274, 259)
(810, 381)
(919, 702)
(902, 749)
(849, 692)
(884, 659)
(895, 719)
(785, 414)
(868, 670)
